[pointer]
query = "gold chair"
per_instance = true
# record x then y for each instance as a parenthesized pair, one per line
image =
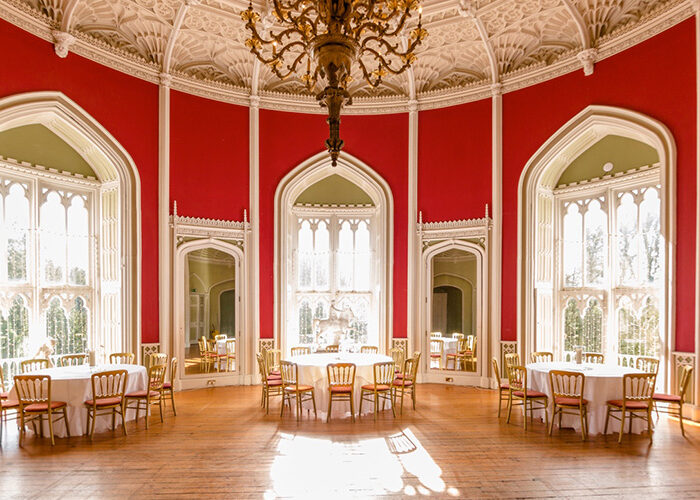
(157, 358)
(272, 358)
(168, 389)
(301, 350)
(502, 388)
(674, 403)
(594, 357)
(437, 347)
(637, 390)
(270, 386)
(107, 399)
(34, 398)
(369, 349)
(511, 359)
(6, 405)
(541, 357)
(3, 390)
(518, 391)
(458, 336)
(407, 383)
(567, 394)
(465, 353)
(647, 365)
(204, 359)
(380, 389)
(73, 360)
(152, 395)
(122, 358)
(341, 386)
(32, 365)
(332, 348)
(292, 388)
(397, 354)
(435, 335)
(230, 354)
(214, 355)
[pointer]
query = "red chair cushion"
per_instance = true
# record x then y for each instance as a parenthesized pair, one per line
(44, 406)
(341, 389)
(104, 402)
(631, 405)
(569, 401)
(505, 386)
(530, 394)
(3, 395)
(9, 403)
(380, 387)
(141, 394)
(399, 375)
(274, 377)
(435, 355)
(275, 372)
(274, 382)
(300, 388)
(400, 382)
(669, 398)
(167, 385)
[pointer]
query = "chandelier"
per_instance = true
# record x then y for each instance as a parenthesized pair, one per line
(323, 38)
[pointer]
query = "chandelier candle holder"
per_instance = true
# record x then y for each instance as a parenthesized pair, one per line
(324, 38)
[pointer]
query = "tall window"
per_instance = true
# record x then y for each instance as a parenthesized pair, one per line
(611, 267)
(334, 277)
(46, 263)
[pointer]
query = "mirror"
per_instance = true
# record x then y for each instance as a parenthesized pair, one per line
(210, 312)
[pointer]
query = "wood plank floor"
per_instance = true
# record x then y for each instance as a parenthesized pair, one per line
(221, 445)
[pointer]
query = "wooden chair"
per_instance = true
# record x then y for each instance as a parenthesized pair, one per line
(34, 398)
(301, 350)
(594, 357)
(292, 389)
(380, 389)
(32, 365)
(107, 399)
(73, 360)
(437, 347)
(332, 348)
(406, 383)
(205, 359)
(157, 358)
(152, 395)
(122, 358)
(3, 390)
(272, 358)
(518, 391)
(7, 405)
(168, 389)
(465, 354)
(230, 354)
(369, 349)
(341, 386)
(647, 365)
(397, 354)
(502, 388)
(541, 357)
(270, 386)
(674, 403)
(637, 390)
(511, 359)
(213, 354)
(435, 335)
(458, 336)
(567, 394)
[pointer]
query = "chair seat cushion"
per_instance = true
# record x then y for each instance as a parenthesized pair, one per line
(398, 375)
(167, 385)
(8, 403)
(530, 394)
(275, 372)
(435, 355)
(631, 405)
(104, 402)
(274, 377)
(505, 386)
(142, 394)
(341, 389)
(569, 401)
(274, 382)
(3, 395)
(401, 382)
(380, 387)
(300, 388)
(669, 398)
(44, 406)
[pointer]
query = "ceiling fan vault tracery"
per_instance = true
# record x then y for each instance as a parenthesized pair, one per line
(472, 44)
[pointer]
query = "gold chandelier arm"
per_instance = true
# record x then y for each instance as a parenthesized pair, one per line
(384, 63)
(368, 77)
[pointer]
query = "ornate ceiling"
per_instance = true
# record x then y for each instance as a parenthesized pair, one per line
(474, 47)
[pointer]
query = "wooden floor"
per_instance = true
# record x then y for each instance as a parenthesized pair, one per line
(221, 444)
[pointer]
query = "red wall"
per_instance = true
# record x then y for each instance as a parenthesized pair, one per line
(454, 161)
(208, 157)
(287, 139)
(127, 107)
(657, 78)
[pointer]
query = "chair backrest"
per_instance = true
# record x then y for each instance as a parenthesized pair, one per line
(686, 376)
(33, 389)
(594, 357)
(272, 358)
(221, 336)
(73, 359)
(202, 346)
(648, 365)
(341, 374)
(301, 350)
(332, 348)
(397, 355)
(410, 367)
(109, 384)
(638, 387)
(496, 372)
(32, 365)
(261, 368)
(157, 358)
(435, 335)
(517, 377)
(458, 336)
(472, 350)
(436, 346)
(230, 347)
(541, 357)
(463, 346)
(384, 373)
(289, 372)
(122, 358)
(510, 359)
(173, 371)
(2, 380)
(156, 377)
(566, 384)
(369, 349)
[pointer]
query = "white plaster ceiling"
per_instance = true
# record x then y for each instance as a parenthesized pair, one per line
(472, 44)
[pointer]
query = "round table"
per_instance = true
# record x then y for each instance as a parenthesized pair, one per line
(603, 383)
(312, 371)
(72, 384)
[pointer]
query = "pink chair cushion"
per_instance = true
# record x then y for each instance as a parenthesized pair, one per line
(274, 377)
(435, 355)
(530, 394)
(401, 382)
(44, 406)
(9, 403)
(505, 386)
(569, 401)
(3, 395)
(104, 402)
(142, 394)
(399, 375)
(380, 387)
(300, 388)
(631, 405)
(668, 398)
(341, 389)
(274, 382)
(275, 372)
(167, 385)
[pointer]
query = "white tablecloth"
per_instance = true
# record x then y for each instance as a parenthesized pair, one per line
(603, 383)
(312, 371)
(72, 385)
